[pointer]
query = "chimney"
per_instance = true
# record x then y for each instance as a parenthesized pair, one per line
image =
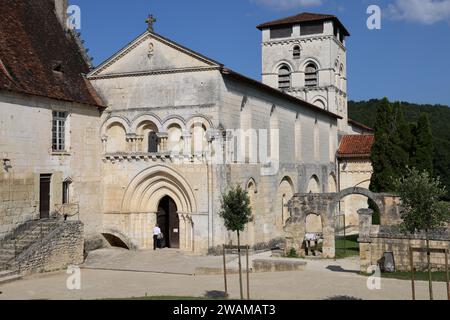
(61, 11)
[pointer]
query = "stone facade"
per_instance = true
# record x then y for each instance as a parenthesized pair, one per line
(302, 142)
(26, 131)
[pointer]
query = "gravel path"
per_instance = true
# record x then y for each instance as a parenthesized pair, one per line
(322, 279)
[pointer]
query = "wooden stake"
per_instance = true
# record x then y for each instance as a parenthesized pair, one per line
(446, 274)
(248, 274)
(411, 260)
(225, 271)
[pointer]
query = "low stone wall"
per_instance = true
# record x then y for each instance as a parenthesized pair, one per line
(64, 246)
(399, 245)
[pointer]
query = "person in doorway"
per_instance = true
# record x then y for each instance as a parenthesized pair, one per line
(157, 237)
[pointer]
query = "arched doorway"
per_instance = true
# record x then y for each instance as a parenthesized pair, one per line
(169, 222)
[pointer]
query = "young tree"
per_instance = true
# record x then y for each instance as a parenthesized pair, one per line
(422, 208)
(236, 213)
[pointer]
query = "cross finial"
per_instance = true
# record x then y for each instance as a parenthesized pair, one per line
(150, 21)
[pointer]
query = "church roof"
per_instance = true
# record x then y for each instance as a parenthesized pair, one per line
(276, 92)
(213, 64)
(360, 125)
(356, 146)
(304, 17)
(38, 57)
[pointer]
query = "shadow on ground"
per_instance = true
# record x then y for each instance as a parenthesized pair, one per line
(340, 269)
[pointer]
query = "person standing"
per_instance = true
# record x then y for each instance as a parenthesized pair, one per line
(156, 237)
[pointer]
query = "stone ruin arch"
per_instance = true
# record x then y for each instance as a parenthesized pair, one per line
(324, 205)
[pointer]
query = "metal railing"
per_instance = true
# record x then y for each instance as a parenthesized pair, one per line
(17, 241)
(68, 210)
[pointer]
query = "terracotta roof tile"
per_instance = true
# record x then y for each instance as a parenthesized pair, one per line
(32, 42)
(303, 18)
(356, 146)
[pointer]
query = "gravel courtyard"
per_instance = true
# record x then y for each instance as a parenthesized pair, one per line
(117, 273)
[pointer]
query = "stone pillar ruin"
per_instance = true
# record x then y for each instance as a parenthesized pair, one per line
(365, 225)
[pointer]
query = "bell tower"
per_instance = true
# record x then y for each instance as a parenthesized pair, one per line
(305, 56)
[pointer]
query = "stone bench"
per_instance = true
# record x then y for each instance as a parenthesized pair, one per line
(278, 265)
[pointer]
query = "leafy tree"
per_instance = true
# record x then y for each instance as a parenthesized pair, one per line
(389, 153)
(236, 213)
(439, 115)
(423, 147)
(422, 208)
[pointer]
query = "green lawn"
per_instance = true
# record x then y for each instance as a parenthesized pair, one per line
(419, 276)
(348, 247)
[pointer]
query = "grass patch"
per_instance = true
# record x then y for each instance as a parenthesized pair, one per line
(419, 276)
(347, 247)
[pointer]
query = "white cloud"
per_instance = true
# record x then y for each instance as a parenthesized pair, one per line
(423, 11)
(288, 4)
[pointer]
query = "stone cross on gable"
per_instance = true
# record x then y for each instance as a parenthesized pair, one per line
(150, 21)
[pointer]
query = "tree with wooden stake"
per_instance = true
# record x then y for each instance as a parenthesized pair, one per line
(236, 213)
(422, 208)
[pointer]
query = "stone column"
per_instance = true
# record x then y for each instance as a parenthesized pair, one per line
(139, 146)
(104, 143)
(329, 245)
(131, 142)
(187, 138)
(163, 137)
(365, 224)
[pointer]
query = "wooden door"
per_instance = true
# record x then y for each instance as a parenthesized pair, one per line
(174, 225)
(169, 223)
(44, 196)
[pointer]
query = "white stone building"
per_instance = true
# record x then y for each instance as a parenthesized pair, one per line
(146, 158)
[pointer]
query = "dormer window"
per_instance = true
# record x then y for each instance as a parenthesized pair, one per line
(281, 32)
(296, 53)
(57, 66)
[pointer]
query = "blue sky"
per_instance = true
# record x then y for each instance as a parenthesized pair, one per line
(408, 59)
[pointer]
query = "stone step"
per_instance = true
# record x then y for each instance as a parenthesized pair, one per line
(4, 280)
(7, 273)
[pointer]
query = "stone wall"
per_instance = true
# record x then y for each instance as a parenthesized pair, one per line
(61, 248)
(399, 245)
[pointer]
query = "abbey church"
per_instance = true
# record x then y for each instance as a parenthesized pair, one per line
(158, 132)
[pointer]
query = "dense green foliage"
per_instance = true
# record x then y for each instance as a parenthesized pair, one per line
(422, 208)
(390, 155)
(439, 120)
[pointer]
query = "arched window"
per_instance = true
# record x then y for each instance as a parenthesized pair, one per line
(296, 52)
(311, 76)
(284, 77)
